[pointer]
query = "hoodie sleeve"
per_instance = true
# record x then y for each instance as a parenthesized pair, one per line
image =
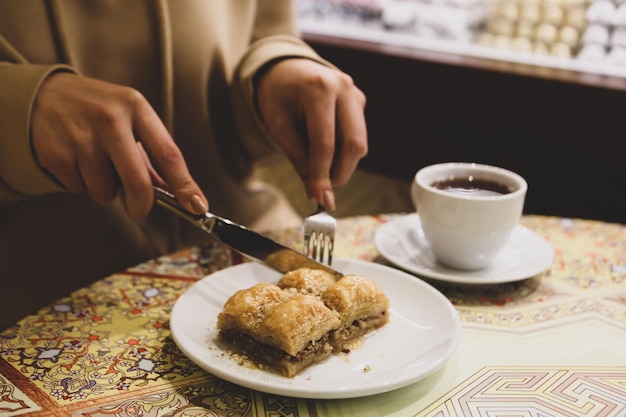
(21, 176)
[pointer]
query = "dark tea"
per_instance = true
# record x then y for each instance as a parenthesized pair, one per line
(472, 187)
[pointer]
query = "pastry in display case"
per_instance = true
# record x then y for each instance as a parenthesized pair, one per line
(604, 40)
(456, 20)
(545, 27)
(580, 35)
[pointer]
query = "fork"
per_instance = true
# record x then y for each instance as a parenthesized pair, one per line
(319, 235)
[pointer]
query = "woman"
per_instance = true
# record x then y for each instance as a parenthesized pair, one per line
(101, 99)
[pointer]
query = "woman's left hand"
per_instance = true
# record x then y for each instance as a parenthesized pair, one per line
(316, 115)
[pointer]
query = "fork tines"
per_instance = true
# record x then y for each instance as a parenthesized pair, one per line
(319, 236)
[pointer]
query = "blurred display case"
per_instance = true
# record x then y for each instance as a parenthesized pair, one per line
(578, 35)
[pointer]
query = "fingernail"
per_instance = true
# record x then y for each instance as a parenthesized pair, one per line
(329, 200)
(198, 204)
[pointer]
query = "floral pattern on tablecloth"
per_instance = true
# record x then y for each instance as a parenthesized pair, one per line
(194, 262)
(113, 337)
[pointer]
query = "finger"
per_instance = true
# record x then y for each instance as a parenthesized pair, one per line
(154, 175)
(72, 179)
(168, 159)
(352, 136)
(320, 120)
(67, 173)
(58, 161)
(99, 177)
(134, 176)
(290, 140)
(97, 171)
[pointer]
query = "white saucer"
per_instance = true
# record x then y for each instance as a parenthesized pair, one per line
(401, 241)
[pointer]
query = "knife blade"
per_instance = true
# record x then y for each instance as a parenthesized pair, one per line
(249, 243)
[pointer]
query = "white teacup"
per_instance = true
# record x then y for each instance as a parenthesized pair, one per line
(467, 228)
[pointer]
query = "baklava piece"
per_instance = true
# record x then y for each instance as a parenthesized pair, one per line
(307, 281)
(362, 307)
(288, 336)
(246, 309)
(302, 320)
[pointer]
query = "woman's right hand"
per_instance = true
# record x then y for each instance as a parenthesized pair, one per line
(96, 137)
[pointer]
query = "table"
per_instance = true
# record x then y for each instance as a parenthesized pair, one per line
(551, 345)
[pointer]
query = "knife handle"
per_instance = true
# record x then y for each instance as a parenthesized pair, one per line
(167, 200)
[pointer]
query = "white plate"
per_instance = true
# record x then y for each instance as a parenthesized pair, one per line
(401, 241)
(423, 332)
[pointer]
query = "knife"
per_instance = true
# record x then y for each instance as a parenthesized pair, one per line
(245, 241)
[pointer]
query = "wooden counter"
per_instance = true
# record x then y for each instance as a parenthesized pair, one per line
(563, 130)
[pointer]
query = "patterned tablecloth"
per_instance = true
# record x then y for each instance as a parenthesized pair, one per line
(551, 345)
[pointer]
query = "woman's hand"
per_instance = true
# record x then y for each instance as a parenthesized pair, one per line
(96, 137)
(316, 115)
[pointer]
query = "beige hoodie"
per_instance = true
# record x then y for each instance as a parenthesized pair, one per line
(194, 61)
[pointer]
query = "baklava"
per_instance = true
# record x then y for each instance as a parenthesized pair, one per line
(303, 319)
